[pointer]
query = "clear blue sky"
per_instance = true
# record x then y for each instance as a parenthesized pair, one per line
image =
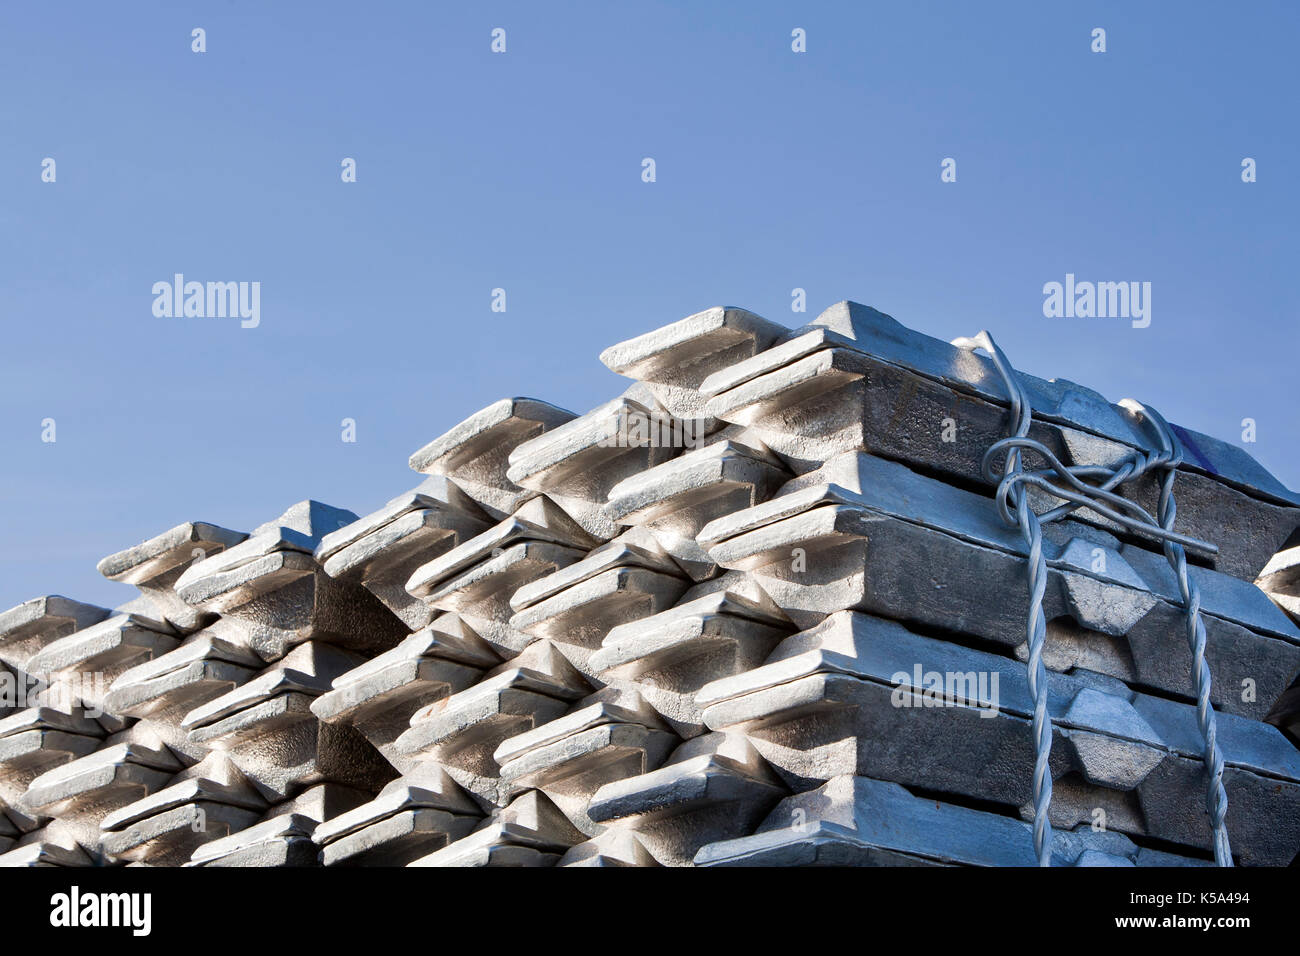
(476, 170)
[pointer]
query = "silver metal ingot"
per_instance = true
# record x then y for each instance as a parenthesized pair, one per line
(477, 580)
(576, 464)
(867, 534)
(475, 454)
(409, 819)
(379, 697)
(155, 565)
(267, 727)
(272, 585)
(530, 831)
(673, 501)
(461, 733)
(712, 788)
(380, 551)
(674, 360)
(863, 696)
(857, 821)
(857, 380)
(27, 628)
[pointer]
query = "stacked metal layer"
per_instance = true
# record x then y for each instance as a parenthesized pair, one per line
(760, 609)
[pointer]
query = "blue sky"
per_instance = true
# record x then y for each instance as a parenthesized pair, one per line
(522, 171)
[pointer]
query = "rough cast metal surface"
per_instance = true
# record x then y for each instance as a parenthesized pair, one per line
(758, 610)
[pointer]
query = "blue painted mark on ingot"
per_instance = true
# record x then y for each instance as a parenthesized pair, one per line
(1190, 445)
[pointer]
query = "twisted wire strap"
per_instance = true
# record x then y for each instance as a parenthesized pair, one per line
(1067, 484)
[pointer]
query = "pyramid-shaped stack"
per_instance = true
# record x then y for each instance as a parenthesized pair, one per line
(760, 609)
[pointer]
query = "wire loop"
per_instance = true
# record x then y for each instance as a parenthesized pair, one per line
(1067, 483)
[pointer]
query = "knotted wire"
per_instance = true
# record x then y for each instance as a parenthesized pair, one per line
(1012, 500)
